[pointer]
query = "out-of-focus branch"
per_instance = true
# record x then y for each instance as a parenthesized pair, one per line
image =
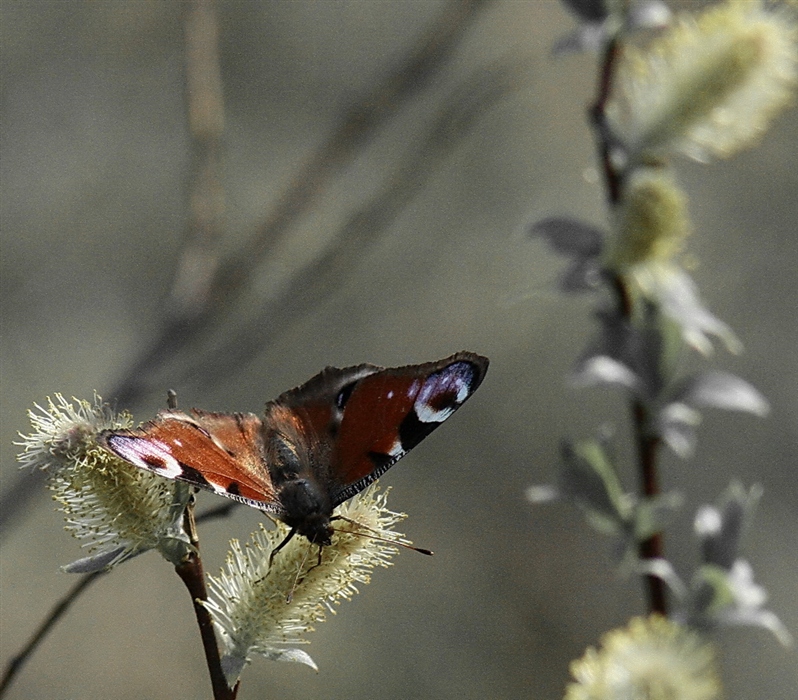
(358, 125)
(199, 261)
(62, 606)
(311, 284)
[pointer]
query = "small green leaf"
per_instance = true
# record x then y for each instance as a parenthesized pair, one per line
(723, 390)
(588, 477)
(676, 425)
(653, 514)
(101, 561)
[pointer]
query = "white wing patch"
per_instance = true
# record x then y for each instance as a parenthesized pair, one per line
(150, 454)
(396, 449)
(454, 381)
(427, 414)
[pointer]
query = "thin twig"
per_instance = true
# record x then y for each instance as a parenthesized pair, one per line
(598, 116)
(199, 260)
(646, 444)
(359, 123)
(314, 282)
(191, 573)
(62, 607)
(15, 664)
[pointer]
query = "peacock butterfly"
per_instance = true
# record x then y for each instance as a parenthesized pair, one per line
(315, 447)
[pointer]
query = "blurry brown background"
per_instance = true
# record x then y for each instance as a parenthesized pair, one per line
(96, 165)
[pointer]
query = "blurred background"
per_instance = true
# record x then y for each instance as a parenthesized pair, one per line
(411, 245)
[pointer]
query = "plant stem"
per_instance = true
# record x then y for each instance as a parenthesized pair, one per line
(647, 451)
(651, 548)
(598, 117)
(647, 444)
(15, 665)
(191, 573)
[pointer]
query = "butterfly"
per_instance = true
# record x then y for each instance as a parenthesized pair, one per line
(315, 446)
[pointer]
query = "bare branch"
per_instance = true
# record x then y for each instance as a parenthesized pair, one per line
(17, 662)
(364, 228)
(359, 124)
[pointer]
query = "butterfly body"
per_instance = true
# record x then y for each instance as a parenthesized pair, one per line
(316, 445)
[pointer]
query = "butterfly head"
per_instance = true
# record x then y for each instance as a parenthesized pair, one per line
(317, 529)
(308, 510)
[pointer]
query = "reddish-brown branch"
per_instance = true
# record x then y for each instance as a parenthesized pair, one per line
(651, 548)
(647, 445)
(192, 574)
(598, 116)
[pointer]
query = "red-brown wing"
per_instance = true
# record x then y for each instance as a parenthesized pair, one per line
(222, 452)
(371, 416)
(308, 418)
(388, 413)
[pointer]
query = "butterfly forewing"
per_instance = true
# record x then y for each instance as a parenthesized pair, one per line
(390, 412)
(222, 452)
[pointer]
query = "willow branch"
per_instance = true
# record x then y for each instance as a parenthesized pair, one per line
(15, 665)
(192, 574)
(598, 115)
(647, 446)
(651, 548)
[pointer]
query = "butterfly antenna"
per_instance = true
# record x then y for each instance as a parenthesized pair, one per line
(378, 538)
(171, 399)
(290, 595)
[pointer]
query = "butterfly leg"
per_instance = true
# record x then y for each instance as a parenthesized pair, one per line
(281, 545)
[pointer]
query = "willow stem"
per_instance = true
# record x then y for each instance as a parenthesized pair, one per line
(59, 610)
(192, 574)
(647, 444)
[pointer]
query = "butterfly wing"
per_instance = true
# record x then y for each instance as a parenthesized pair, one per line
(328, 439)
(373, 416)
(221, 452)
